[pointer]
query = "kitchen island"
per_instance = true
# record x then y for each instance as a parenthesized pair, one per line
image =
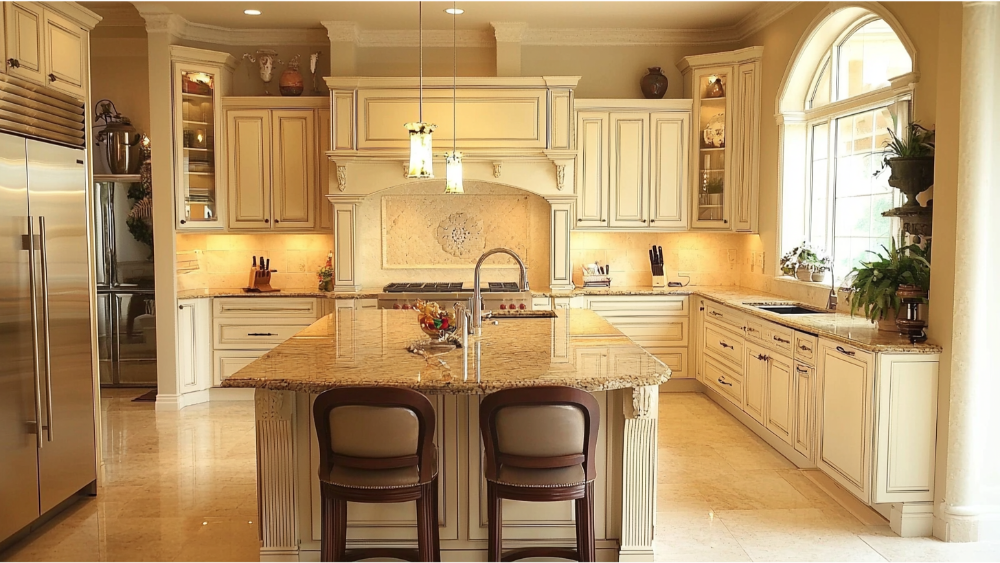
(352, 347)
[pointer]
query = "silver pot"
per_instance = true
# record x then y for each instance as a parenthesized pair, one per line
(120, 141)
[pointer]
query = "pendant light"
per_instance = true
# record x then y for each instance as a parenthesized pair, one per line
(453, 159)
(421, 155)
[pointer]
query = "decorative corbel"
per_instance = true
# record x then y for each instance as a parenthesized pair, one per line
(342, 178)
(496, 169)
(560, 176)
(406, 169)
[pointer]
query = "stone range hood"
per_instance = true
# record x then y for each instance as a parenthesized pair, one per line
(514, 131)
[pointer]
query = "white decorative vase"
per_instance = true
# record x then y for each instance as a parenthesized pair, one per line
(803, 273)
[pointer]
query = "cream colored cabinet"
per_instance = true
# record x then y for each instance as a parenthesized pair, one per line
(65, 54)
(755, 376)
(632, 170)
(194, 370)
(323, 129)
(660, 324)
(725, 89)
(272, 174)
(24, 24)
(629, 175)
(805, 409)
(592, 166)
(845, 416)
(779, 399)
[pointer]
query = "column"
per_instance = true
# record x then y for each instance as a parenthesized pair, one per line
(968, 499)
(276, 510)
(639, 474)
(346, 275)
(560, 262)
(343, 47)
(508, 36)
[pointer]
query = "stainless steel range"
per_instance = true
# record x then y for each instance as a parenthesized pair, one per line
(497, 296)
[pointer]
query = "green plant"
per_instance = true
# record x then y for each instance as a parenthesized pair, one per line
(874, 284)
(917, 141)
(806, 256)
(714, 186)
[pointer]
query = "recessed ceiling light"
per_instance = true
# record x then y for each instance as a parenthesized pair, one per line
(252, 12)
(455, 11)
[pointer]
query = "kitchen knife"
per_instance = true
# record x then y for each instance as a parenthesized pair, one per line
(652, 259)
(254, 262)
(267, 265)
(659, 252)
(261, 263)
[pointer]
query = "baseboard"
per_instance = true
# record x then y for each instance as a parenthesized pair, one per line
(866, 514)
(912, 519)
(231, 394)
(166, 402)
(686, 385)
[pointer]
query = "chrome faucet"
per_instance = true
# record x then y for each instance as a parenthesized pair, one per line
(477, 295)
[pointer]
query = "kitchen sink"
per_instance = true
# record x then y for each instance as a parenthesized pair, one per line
(791, 310)
(536, 314)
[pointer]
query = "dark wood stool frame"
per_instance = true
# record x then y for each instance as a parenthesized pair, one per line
(335, 497)
(582, 493)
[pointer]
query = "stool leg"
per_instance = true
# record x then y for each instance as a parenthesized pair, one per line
(424, 534)
(435, 524)
(326, 536)
(585, 525)
(339, 507)
(495, 515)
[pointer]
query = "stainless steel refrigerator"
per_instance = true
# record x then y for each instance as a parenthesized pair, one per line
(47, 403)
(126, 313)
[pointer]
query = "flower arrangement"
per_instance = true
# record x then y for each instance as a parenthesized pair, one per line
(325, 274)
(807, 260)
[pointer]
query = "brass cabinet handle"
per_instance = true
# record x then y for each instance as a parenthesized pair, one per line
(844, 352)
(800, 369)
(720, 380)
(714, 314)
(724, 345)
(782, 340)
(804, 347)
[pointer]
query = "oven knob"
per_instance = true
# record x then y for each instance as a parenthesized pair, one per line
(407, 306)
(522, 307)
(396, 306)
(503, 306)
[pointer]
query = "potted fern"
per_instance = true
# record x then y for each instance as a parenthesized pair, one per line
(910, 158)
(875, 283)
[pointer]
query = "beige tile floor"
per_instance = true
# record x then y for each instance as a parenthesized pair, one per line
(180, 486)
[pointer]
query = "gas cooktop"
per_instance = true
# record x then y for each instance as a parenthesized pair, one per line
(448, 287)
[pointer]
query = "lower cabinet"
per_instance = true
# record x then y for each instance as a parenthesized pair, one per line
(194, 345)
(779, 400)
(755, 380)
(660, 324)
(805, 410)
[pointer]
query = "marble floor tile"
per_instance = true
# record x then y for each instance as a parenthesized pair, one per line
(181, 486)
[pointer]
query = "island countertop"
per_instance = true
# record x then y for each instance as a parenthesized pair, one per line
(578, 348)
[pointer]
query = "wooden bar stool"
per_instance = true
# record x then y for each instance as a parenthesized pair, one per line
(540, 445)
(376, 446)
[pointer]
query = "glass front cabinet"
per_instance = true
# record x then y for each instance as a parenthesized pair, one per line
(200, 79)
(725, 89)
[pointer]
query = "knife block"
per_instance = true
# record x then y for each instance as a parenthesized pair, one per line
(260, 281)
(659, 281)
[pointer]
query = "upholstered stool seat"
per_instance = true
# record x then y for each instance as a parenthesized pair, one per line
(376, 447)
(540, 444)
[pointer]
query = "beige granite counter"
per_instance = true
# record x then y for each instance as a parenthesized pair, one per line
(578, 348)
(367, 293)
(841, 327)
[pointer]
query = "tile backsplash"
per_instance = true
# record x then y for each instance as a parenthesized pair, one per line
(708, 258)
(224, 260)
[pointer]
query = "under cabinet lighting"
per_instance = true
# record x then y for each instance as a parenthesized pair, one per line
(454, 11)
(252, 12)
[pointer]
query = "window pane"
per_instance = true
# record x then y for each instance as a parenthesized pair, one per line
(820, 185)
(869, 58)
(820, 95)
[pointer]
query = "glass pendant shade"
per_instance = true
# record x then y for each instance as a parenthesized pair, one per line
(421, 157)
(453, 173)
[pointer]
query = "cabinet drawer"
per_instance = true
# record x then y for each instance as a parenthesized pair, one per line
(675, 358)
(641, 306)
(754, 329)
(674, 332)
(779, 337)
(227, 363)
(264, 307)
(262, 334)
(541, 303)
(805, 348)
(724, 380)
(724, 345)
(723, 315)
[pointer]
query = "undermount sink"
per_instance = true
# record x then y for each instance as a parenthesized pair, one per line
(791, 310)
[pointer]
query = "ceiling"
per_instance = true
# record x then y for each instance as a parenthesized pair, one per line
(387, 15)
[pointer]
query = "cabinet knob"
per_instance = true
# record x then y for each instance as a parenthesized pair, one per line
(13, 63)
(52, 77)
(725, 221)
(643, 220)
(267, 220)
(652, 220)
(579, 220)
(275, 221)
(603, 220)
(183, 221)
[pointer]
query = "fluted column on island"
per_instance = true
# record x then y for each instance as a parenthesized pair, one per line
(639, 474)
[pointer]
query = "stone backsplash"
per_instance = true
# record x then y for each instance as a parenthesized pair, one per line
(224, 260)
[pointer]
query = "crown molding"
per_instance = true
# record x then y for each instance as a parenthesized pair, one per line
(75, 12)
(342, 31)
(762, 16)
(467, 38)
(509, 32)
(624, 37)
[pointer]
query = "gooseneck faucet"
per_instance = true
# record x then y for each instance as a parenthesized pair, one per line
(477, 295)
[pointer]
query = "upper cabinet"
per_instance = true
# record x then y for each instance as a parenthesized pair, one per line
(45, 47)
(200, 79)
(632, 164)
(273, 150)
(725, 89)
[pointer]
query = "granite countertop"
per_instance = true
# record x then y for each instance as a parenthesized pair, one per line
(841, 327)
(366, 293)
(578, 348)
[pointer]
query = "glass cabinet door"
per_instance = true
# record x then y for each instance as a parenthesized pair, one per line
(196, 109)
(713, 134)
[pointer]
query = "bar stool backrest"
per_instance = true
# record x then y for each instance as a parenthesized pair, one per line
(540, 428)
(374, 428)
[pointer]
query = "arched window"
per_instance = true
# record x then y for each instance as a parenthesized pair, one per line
(842, 95)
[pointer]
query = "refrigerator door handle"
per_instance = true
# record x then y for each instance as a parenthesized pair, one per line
(45, 327)
(34, 329)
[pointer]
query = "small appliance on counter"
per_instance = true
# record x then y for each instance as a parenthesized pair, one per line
(595, 275)
(260, 277)
(656, 266)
